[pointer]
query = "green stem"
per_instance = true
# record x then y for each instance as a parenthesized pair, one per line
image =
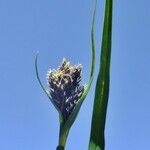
(60, 148)
(62, 137)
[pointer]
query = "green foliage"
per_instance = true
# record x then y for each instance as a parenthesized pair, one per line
(65, 126)
(97, 139)
(70, 121)
(41, 84)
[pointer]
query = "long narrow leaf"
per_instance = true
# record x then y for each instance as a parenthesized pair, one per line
(97, 139)
(70, 121)
(41, 84)
(92, 70)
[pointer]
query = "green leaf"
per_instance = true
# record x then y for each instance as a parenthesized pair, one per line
(97, 139)
(77, 108)
(67, 125)
(42, 86)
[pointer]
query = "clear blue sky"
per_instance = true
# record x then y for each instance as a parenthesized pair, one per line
(58, 29)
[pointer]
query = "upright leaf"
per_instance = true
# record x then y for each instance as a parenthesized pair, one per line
(97, 139)
(66, 127)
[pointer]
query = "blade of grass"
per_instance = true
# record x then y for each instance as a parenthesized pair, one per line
(97, 137)
(92, 70)
(42, 86)
(66, 127)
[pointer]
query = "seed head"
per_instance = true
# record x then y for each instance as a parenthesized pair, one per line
(64, 86)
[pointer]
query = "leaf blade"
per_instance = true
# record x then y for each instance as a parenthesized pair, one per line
(74, 114)
(92, 64)
(42, 86)
(97, 138)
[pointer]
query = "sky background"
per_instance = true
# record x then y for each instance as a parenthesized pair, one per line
(58, 29)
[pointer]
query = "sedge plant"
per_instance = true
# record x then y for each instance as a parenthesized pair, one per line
(65, 91)
(67, 94)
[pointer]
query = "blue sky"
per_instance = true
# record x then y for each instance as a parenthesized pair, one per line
(58, 29)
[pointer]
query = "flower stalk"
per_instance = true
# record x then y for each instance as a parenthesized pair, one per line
(62, 138)
(65, 91)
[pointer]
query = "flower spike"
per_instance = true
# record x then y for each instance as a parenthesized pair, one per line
(64, 87)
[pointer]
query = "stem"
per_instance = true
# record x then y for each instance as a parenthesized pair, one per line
(60, 148)
(63, 134)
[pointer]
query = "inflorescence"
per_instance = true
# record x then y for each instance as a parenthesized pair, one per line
(64, 87)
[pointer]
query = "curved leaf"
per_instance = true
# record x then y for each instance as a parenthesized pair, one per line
(42, 86)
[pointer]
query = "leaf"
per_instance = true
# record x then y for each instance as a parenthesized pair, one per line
(42, 86)
(71, 119)
(97, 139)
